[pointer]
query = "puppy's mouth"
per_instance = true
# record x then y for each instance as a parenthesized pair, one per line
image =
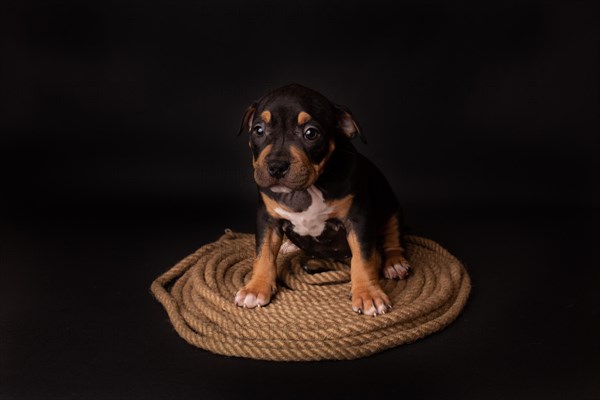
(281, 185)
(289, 183)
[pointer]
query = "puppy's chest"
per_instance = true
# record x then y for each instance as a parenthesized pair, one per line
(310, 221)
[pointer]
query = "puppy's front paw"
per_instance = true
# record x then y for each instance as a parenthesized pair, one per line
(370, 300)
(396, 267)
(255, 294)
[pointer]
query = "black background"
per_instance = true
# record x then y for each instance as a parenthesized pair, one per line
(119, 156)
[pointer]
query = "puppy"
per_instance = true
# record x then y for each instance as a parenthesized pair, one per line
(317, 192)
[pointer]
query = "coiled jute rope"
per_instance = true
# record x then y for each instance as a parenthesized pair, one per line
(310, 318)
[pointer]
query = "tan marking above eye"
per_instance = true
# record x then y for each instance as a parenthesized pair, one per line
(266, 116)
(303, 117)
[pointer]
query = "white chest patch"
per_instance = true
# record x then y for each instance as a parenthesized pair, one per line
(311, 221)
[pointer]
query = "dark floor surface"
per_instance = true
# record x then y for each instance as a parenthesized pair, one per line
(119, 157)
(78, 321)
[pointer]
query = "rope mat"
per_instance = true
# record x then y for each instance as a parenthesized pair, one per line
(310, 318)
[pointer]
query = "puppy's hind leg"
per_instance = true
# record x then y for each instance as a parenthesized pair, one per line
(395, 265)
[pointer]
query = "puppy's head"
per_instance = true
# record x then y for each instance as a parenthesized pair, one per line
(293, 132)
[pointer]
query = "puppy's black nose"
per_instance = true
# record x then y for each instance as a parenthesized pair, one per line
(278, 168)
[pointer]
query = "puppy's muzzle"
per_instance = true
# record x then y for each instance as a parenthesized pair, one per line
(280, 168)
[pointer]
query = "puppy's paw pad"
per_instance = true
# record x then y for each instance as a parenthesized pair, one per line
(370, 301)
(397, 268)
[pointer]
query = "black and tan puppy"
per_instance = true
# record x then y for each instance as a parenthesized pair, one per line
(320, 193)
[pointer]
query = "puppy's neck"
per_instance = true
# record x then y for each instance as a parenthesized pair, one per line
(295, 200)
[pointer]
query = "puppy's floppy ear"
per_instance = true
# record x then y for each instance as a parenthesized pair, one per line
(246, 124)
(347, 124)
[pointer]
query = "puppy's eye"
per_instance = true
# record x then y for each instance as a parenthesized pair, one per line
(311, 134)
(259, 131)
